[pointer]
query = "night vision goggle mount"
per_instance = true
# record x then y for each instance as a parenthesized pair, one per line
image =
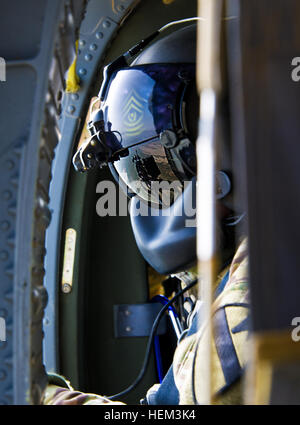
(95, 151)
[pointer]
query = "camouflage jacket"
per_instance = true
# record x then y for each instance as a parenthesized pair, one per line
(228, 352)
(230, 330)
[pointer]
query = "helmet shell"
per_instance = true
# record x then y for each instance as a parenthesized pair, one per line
(177, 47)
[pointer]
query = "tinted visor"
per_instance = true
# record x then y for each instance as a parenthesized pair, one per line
(143, 102)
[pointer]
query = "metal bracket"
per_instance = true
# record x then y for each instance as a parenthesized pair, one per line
(69, 256)
(133, 320)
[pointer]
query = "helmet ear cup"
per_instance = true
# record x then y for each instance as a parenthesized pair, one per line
(223, 185)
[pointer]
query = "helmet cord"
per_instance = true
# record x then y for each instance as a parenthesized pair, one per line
(150, 340)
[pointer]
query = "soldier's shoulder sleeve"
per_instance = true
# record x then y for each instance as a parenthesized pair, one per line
(228, 356)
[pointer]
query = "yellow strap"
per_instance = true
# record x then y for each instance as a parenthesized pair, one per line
(73, 81)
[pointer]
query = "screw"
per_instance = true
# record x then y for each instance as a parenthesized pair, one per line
(66, 288)
(168, 138)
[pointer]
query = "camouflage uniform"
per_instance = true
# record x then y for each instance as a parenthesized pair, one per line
(230, 326)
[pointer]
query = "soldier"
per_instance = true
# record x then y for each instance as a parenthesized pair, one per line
(151, 109)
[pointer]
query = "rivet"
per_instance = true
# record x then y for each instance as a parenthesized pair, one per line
(106, 24)
(99, 35)
(81, 43)
(71, 109)
(127, 313)
(121, 8)
(128, 329)
(93, 47)
(74, 96)
(88, 57)
(82, 71)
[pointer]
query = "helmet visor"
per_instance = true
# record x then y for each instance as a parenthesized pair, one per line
(142, 102)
